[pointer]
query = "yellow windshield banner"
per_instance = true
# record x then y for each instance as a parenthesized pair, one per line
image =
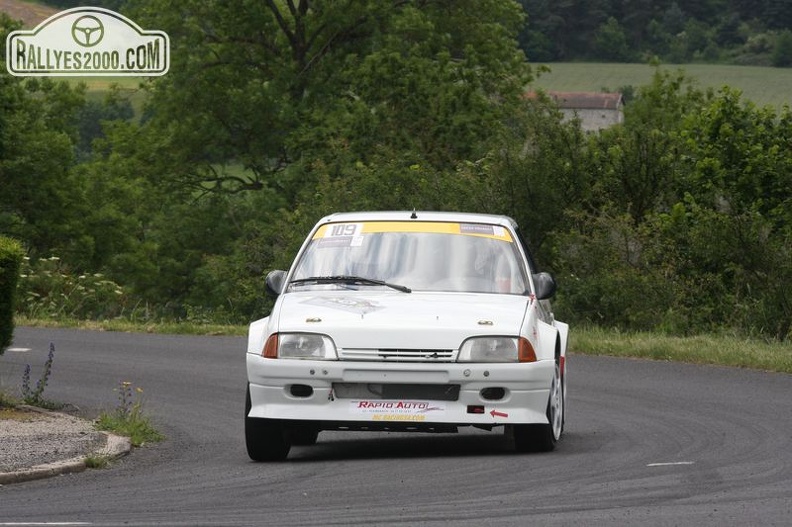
(333, 230)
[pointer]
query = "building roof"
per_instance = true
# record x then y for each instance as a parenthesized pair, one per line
(585, 100)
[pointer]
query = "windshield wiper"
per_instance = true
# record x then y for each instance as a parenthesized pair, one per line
(348, 279)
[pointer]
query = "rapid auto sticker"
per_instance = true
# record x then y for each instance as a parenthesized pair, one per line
(379, 410)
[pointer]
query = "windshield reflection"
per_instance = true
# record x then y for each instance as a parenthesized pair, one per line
(422, 261)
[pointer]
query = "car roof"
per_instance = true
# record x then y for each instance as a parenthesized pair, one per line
(461, 217)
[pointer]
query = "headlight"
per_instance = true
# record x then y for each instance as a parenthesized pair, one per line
(496, 349)
(299, 346)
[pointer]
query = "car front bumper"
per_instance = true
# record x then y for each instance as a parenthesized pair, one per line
(329, 392)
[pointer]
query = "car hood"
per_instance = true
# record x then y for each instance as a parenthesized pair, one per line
(400, 320)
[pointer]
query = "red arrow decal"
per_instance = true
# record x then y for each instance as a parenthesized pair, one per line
(494, 413)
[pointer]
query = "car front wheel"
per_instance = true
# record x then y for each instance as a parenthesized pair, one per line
(266, 439)
(543, 437)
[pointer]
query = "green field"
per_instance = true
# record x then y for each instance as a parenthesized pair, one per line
(96, 89)
(761, 85)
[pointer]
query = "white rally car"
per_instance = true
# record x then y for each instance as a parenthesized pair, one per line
(407, 321)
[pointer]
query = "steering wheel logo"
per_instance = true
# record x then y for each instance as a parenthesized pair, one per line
(87, 31)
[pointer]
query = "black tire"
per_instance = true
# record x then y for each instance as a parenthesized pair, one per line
(304, 435)
(266, 439)
(543, 437)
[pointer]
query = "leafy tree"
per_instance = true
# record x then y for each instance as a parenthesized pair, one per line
(635, 17)
(610, 42)
(727, 31)
(535, 36)
(635, 162)
(539, 173)
(118, 178)
(10, 259)
(67, 4)
(41, 199)
(540, 37)
(94, 114)
(741, 159)
(782, 51)
(600, 252)
(156, 240)
(740, 171)
(313, 105)
(711, 29)
(674, 19)
(707, 10)
(687, 226)
(607, 278)
(280, 82)
(698, 36)
(778, 14)
(658, 39)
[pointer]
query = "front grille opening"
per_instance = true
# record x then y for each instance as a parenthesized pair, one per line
(424, 392)
(301, 390)
(493, 394)
(398, 355)
(415, 355)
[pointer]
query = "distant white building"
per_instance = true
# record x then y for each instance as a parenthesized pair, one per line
(595, 110)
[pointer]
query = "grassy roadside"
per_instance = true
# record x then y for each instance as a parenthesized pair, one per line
(126, 326)
(720, 350)
(128, 418)
(724, 350)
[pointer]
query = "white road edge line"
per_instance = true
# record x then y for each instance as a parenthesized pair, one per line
(671, 464)
(48, 524)
(16, 350)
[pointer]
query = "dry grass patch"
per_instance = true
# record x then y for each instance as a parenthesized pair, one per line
(16, 414)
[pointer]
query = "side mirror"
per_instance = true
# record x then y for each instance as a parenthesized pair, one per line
(545, 285)
(275, 282)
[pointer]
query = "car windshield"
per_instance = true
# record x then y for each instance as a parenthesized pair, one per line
(412, 256)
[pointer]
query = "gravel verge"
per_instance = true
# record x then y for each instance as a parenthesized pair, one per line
(36, 443)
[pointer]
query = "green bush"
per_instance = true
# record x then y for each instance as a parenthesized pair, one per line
(782, 51)
(687, 228)
(49, 289)
(608, 281)
(10, 259)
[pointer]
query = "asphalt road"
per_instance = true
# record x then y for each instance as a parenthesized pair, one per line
(647, 443)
